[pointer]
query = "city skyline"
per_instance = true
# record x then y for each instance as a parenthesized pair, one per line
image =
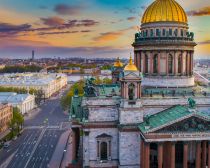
(97, 28)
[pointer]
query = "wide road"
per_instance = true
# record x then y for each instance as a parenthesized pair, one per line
(43, 128)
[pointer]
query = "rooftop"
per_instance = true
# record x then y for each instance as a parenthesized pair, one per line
(16, 79)
(168, 116)
(12, 97)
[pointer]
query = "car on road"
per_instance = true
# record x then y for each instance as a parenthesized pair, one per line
(6, 144)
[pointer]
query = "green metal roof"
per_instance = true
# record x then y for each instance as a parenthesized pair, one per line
(75, 108)
(165, 117)
(105, 90)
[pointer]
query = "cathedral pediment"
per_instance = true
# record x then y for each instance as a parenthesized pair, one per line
(190, 125)
(132, 75)
(176, 119)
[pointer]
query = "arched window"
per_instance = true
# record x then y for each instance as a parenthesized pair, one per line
(131, 91)
(164, 32)
(104, 151)
(104, 147)
(146, 64)
(180, 64)
(170, 64)
(155, 64)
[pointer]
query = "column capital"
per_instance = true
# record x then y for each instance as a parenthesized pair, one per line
(198, 142)
(185, 142)
(160, 143)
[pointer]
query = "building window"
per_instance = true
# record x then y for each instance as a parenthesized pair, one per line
(104, 151)
(146, 33)
(180, 64)
(131, 91)
(157, 32)
(155, 64)
(170, 32)
(176, 32)
(146, 64)
(164, 32)
(182, 33)
(170, 64)
(151, 32)
(104, 147)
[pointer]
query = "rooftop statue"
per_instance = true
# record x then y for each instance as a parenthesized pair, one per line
(192, 103)
(89, 88)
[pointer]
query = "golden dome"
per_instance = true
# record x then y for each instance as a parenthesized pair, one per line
(164, 10)
(130, 66)
(118, 63)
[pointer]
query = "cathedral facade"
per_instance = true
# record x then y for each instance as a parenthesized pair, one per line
(153, 115)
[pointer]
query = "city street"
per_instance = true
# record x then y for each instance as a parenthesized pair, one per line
(35, 147)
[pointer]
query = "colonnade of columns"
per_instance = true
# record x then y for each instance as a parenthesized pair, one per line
(167, 154)
(182, 64)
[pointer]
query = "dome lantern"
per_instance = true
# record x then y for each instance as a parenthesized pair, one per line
(130, 66)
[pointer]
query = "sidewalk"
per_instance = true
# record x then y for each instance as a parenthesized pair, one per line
(3, 134)
(68, 155)
(58, 155)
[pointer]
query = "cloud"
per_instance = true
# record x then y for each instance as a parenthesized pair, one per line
(109, 36)
(130, 10)
(63, 9)
(131, 18)
(52, 25)
(53, 21)
(200, 12)
(85, 31)
(59, 23)
(22, 49)
(58, 32)
(63, 32)
(6, 27)
(204, 42)
(10, 30)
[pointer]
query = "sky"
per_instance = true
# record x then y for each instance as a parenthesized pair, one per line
(81, 28)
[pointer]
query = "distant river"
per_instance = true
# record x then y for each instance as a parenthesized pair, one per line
(75, 78)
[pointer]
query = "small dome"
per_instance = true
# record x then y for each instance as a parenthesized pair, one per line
(130, 66)
(164, 11)
(118, 63)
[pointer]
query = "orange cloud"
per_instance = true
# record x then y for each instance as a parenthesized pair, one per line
(53, 21)
(200, 12)
(131, 18)
(110, 36)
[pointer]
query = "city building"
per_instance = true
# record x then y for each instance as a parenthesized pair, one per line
(48, 83)
(24, 102)
(2, 66)
(5, 116)
(152, 115)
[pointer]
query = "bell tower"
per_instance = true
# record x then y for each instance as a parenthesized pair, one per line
(131, 106)
(116, 70)
(131, 83)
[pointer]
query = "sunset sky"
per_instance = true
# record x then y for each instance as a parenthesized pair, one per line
(85, 28)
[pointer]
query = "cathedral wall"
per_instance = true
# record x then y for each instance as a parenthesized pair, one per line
(169, 82)
(173, 101)
(129, 149)
(92, 142)
(103, 114)
(128, 116)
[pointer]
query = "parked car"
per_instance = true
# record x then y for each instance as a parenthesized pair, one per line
(6, 145)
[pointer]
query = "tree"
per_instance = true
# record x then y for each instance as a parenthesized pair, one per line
(17, 121)
(39, 95)
(66, 100)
